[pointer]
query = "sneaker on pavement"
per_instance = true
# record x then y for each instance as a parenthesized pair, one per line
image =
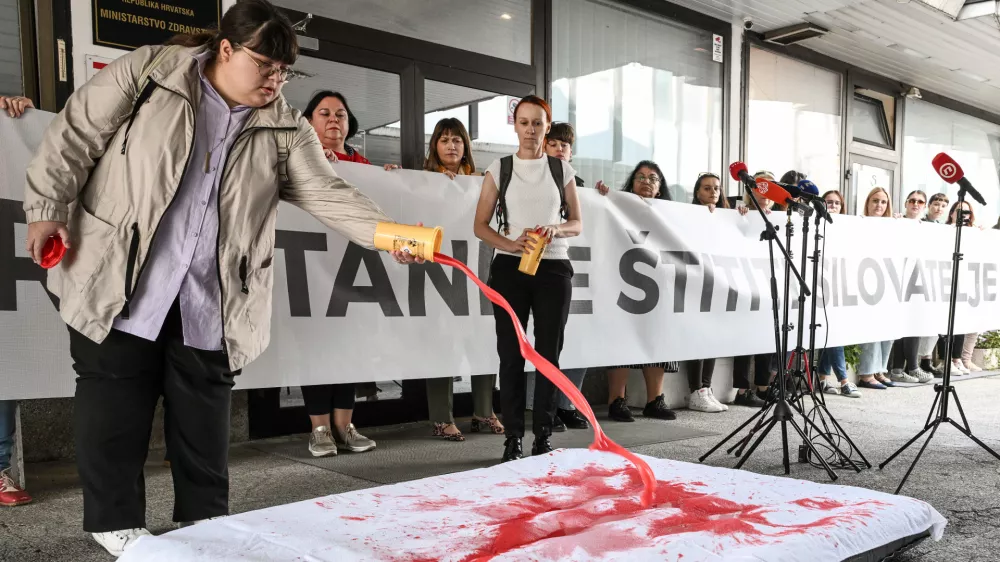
(928, 367)
(900, 376)
(658, 409)
(748, 398)
(10, 493)
(321, 443)
(619, 411)
(922, 375)
(849, 390)
(701, 401)
(957, 368)
(353, 441)
(829, 388)
(711, 394)
(115, 542)
(970, 366)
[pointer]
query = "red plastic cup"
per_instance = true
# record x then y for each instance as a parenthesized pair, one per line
(53, 252)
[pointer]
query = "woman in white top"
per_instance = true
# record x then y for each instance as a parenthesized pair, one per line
(532, 201)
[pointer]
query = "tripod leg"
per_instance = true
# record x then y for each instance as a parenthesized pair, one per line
(731, 435)
(934, 405)
(976, 439)
(742, 443)
(826, 466)
(908, 443)
(784, 446)
(830, 442)
(753, 447)
(919, 454)
(961, 412)
(841, 431)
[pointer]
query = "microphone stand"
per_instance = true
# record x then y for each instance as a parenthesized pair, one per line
(779, 409)
(945, 390)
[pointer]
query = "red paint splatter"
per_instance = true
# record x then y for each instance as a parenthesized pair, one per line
(326, 506)
(351, 518)
(601, 441)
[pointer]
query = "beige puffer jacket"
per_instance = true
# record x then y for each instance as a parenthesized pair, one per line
(112, 201)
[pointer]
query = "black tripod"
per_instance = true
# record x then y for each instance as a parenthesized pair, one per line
(944, 390)
(777, 405)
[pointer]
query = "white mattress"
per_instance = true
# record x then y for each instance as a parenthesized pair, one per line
(568, 505)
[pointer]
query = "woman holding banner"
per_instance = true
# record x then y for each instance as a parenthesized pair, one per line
(875, 356)
(534, 207)
(963, 345)
(167, 210)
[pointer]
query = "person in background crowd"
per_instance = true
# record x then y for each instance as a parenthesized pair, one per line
(10, 493)
(937, 210)
(708, 193)
(764, 202)
(333, 121)
(450, 153)
(832, 358)
(904, 361)
(559, 144)
(875, 356)
(533, 203)
(964, 345)
(102, 181)
(646, 181)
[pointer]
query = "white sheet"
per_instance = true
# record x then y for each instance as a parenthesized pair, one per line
(578, 504)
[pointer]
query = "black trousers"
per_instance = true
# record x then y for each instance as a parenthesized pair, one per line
(957, 341)
(545, 295)
(904, 354)
(322, 399)
(699, 373)
(761, 366)
(119, 382)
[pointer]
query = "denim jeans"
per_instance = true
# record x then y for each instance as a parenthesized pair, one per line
(874, 358)
(832, 359)
(7, 428)
(562, 402)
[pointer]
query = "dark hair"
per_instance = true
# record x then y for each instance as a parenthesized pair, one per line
(843, 207)
(917, 191)
(938, 197)
(563, 132)
(664, 192)
(318, 97)
(534, 100)
(254, 24)
(972, 213)
(455, 127)
(792, 177)
(723, 201)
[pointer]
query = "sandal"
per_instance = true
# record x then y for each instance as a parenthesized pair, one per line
(884, 380)
(480, 424)
(873, 384)
(439, 432)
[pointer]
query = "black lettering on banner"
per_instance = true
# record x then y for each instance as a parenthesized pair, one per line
(708, 283)
(646, 284)
(129, 24)
(485, 261)
(763, 265)
(849, 299)
(974, 267)
(896, 277)
(728, 265)
(345, 291)
(454, 293)
(680, 259)
(754, 288)
(296, 244)
(580, 253)
(918, 283)
(932, 277)
(12, 268)
(989, 281)
(961, 296)
(873, 297)
(944, 272)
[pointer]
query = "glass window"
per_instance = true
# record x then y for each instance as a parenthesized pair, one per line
(498, 28)
(10, 49)
(873, 117)
(492, 136)
(372, 95)
(867, 176)
(636, 87)
(975, 144)
(794, 118)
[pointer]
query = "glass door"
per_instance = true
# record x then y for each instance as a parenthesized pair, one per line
(865, 174)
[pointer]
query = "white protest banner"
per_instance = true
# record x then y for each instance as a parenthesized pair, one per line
(654, 281)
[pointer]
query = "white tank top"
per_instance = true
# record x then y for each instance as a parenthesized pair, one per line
(533, 200)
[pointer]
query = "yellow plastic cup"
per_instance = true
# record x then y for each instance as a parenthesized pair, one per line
(420, 241)
(531, 260)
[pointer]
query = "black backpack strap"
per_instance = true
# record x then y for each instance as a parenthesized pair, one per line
(556, 167)
(506, 171)
(147, 91)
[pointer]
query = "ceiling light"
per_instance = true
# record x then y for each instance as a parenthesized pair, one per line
(505, 16)
(969, 75)
(913, 93)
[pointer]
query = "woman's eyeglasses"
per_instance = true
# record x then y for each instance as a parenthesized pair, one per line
(267, 70)
(915, 201)
(652, 179)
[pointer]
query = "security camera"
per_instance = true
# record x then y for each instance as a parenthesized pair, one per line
(747, 23)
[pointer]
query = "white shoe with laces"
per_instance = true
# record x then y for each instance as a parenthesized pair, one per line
(115, 542)
(921, 375)
(353, 441)
(321, 443)
(701, 401)
(711, 394)
(849, 390)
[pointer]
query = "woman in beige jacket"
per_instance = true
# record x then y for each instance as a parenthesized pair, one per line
(162, 177)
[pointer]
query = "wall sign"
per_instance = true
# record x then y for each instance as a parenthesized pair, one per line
(129, 24)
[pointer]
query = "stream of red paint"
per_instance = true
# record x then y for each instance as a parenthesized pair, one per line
(601, 441)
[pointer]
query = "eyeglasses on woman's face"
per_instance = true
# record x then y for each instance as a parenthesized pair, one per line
(267, 69)
(651, 179)
(915, 201)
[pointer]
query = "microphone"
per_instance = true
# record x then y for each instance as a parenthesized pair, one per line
(951, 172)
(775, 192)
(808, 191)
(739, 172)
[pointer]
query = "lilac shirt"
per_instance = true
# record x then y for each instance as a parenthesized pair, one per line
(182, 261)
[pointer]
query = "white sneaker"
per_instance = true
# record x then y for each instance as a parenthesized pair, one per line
(922, 375)
(353, 441)
(711, 394)
(850, 391)
(958, 367)
(829, 388)
(971, 367)
(701, 401)
(321, 443)
(115, 542)
(900, 376)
